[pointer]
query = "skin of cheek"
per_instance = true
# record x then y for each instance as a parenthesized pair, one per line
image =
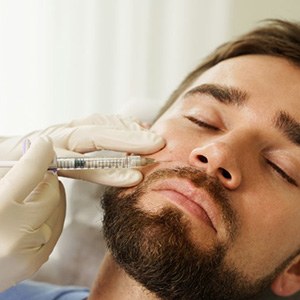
(177, 141)
(269, 232)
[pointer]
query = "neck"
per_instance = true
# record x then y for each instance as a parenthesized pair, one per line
(113, 283)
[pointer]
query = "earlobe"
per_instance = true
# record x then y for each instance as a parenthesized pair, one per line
(287, 283)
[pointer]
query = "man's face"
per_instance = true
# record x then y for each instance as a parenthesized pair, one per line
(230, 182)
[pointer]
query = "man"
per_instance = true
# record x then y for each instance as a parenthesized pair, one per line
(219, 216)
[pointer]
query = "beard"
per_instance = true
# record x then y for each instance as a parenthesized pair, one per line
(156, 249)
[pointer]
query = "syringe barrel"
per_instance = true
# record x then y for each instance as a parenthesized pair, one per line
(75, 163)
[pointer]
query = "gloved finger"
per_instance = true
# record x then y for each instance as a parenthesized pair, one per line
(56, 220)
(58, 214)
(112, 121)
(40, 244)
(34, 239)
(87, 139)
(29, 171)
(54, 225)
(42, 201)
(60, 152)
(112, 177)
(109, 132)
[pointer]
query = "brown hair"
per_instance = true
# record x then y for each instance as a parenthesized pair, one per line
(276, 37)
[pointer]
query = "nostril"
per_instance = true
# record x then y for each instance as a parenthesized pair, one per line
(225, 173)
(203, 159)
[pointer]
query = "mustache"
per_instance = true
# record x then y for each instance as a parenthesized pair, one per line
(200, 180)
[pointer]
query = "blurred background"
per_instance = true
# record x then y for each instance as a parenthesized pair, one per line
(65, 59)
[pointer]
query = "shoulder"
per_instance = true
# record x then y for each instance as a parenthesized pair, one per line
(36, 290)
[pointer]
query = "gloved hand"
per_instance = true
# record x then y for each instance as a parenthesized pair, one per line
(32, 211)
(93, 133)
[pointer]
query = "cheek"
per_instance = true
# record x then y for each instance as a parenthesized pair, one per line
(269, 232)
(178, 141)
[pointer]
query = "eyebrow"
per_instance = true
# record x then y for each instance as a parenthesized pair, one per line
(235, 96)
(222, 93)
(288, 125)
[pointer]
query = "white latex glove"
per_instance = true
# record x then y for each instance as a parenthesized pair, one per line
(90, 134)
(32, 211)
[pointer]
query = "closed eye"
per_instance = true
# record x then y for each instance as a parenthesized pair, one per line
(201, 123)
(282, 173)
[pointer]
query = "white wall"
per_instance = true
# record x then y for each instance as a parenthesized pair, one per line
(63, 59)
(245, 14)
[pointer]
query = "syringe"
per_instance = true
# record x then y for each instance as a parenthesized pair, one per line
(86, 163)
(67, 163)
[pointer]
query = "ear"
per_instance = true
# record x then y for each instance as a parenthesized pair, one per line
(288, 282)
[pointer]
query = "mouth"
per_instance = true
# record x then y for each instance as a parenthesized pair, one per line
(187, 197)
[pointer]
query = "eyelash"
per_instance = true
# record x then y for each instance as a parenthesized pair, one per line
(201, 123)
(277, 169)
(282, 173)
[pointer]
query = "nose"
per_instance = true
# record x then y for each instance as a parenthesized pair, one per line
(220, 161)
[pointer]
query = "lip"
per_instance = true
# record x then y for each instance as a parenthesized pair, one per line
(196, 201)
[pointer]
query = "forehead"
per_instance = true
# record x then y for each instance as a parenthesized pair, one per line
(272, 83)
